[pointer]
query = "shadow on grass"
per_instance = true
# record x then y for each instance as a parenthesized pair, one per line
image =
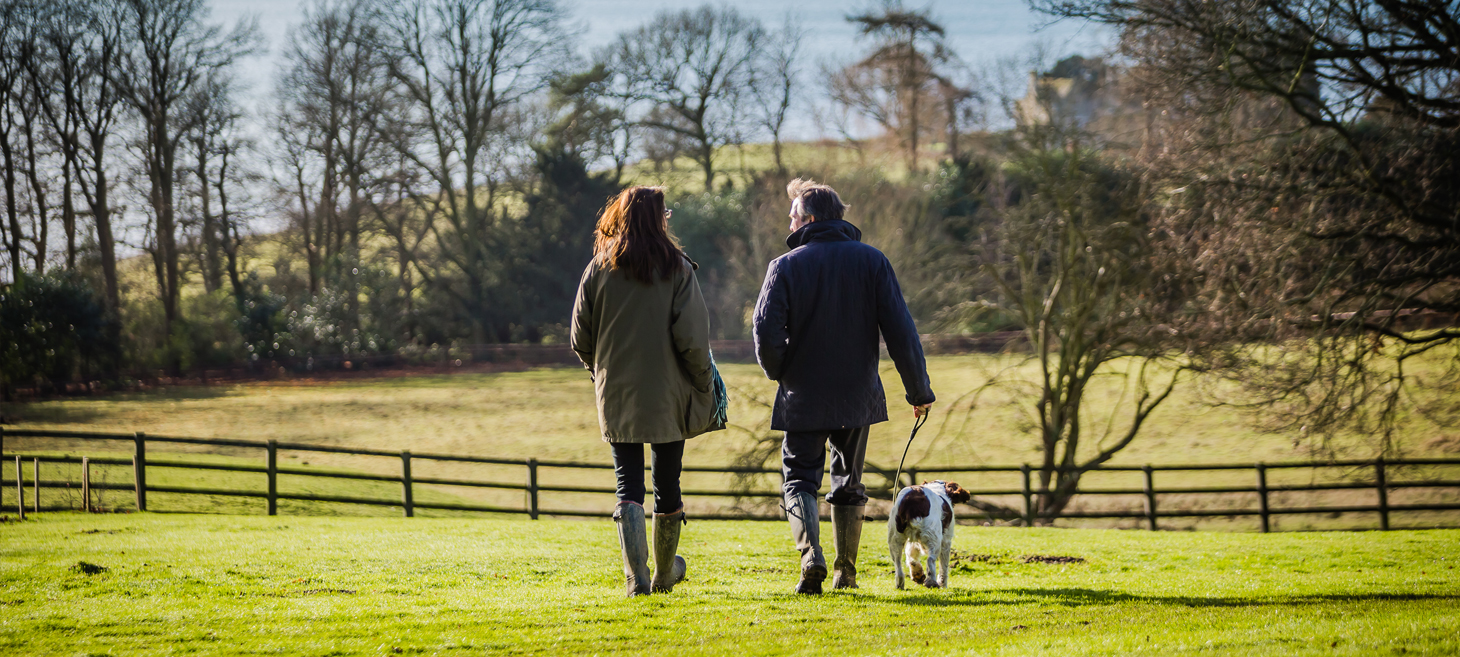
(1087, 597)
(58, 410)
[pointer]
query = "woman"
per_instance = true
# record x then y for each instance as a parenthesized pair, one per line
(641, 328)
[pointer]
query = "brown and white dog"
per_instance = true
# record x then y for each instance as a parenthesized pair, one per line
(921, 524)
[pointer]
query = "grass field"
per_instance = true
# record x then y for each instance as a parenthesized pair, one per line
(738, 165)
(549, 414)
(207, 584)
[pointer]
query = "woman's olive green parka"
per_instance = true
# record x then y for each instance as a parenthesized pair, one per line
(648, 350)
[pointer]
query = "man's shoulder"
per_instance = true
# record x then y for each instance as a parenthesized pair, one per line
(816, 251)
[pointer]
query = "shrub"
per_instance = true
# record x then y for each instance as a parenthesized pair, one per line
(53, 329)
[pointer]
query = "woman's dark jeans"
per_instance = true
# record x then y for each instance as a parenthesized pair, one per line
(628, 464)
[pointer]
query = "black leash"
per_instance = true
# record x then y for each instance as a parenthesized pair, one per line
(897, 481)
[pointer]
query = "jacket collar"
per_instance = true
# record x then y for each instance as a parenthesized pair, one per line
(824, 231)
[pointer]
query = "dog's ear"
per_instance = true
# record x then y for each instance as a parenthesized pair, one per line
(956, 493)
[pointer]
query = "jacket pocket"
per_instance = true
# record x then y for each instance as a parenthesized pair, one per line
(707, 411)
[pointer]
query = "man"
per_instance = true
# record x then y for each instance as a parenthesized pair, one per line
(816, 326)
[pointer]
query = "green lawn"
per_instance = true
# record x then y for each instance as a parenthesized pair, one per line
(210, 584)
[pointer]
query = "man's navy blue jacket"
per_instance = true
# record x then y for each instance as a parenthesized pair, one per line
(816, 324)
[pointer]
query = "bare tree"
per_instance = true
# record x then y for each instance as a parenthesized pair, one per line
(95, 104)
(14, 15)
(169, 51)
(299, 182)
(28, 101)
(898, 84)
(1311, 149)
(335, 87)
(52, 67)
(465, 69)
(1071, 264)
(692, 69)
(212, 138)
(231, 182)
(777, 76)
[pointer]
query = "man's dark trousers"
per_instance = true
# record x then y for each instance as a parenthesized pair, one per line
(803, 457)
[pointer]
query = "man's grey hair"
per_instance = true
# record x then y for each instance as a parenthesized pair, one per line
(817, 200)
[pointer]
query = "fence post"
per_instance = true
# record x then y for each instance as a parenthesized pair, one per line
(1150, 498)
(20, 488)
(1262, 497)
(912, 478)
(36, 484)
(532, 488)
(139, 469)
(273, 465)
(1383, 487)
(86, 484)
(407, 498)
(1028, 497)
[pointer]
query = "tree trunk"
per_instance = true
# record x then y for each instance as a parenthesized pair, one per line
(68, 214)
(306, 230)
(776, 148)
(12, 213)
(38, 190)
(352, 276)
(325, 208)
(952, 110)
(101, 212)
(228, 232)
(160, 171)
(212, 263)
(707, 154)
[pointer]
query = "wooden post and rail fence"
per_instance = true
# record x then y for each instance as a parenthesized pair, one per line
(532, 486)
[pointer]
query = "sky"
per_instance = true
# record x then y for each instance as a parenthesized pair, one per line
(979, 31)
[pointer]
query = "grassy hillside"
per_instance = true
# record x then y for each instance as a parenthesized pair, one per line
(738, 164)
(149, 584)
(274, 254)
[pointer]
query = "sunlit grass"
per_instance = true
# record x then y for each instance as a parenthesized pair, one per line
(346, 586)
(738, 165)
(550, 414)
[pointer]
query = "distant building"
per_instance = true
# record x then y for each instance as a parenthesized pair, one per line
(1103, 101)
(1076, 92)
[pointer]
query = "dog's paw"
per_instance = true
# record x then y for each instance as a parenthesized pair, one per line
(899, 585)
(916, 570)
(931, 583)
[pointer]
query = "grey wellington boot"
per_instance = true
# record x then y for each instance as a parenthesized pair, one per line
(803, 514)
(669, 568)
(635, 546)
(846, 528)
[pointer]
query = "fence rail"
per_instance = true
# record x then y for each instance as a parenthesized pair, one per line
(533, 486)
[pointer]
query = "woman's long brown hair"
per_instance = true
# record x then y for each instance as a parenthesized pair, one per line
(633, 235)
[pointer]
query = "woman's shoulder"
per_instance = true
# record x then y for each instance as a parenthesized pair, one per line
(590, 271)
